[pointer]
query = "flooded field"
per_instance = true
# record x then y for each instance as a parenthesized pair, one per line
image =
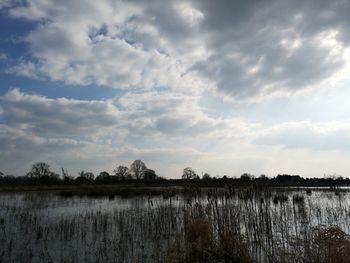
(208, 225)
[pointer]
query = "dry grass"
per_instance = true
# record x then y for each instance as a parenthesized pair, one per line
(200, 241)
(200, 226)
(329, 245)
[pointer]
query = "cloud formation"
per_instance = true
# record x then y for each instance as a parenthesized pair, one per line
(165, 129)
(130, 126)
(242, 50)
(199, 82)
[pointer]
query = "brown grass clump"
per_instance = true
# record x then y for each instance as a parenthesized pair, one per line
(329, 245)
(201, 246)
(197, 246)
(233, 249)
(324, 245)
(200, 241)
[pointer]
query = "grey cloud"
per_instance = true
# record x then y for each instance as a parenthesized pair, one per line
(142, 115)
(15, 141)
(164, 113)
(170, 125)
(240, 43)
(19, 149)
(133, 114)
(56, 117)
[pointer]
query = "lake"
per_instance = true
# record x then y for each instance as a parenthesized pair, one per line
(207, 225)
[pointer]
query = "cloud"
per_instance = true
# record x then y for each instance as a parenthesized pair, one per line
(141, 114)
(306, 135)
(181, 66)
(166, 130)
(92, 47)
(242, 50)
(134, 125)
(52, 117)
(263, 48)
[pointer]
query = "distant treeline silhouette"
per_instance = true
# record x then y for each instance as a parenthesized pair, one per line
(41, 174)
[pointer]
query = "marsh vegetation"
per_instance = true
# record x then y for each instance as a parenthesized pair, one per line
(200, 225)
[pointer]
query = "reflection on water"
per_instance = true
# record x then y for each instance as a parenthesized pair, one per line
(42, 227)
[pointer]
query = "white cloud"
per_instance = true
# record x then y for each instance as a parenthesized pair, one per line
(131, 126)
(91, 47)
(167, 130)
(242, 50)
(166, 56)
(328, 136)
(191, 15)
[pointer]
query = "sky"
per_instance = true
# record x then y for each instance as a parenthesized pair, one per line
(225, 87)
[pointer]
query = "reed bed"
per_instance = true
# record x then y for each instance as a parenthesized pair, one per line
(215, 225)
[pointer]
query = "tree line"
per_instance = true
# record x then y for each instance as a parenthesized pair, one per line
(41, 173)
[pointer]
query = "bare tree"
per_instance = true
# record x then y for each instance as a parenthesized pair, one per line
(121, 172)
(64, 172)
(137, 168)
(189, 174)
(40, 170)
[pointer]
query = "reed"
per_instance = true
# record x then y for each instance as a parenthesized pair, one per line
(202, 225)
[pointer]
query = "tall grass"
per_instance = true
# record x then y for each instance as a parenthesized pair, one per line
(220, 225)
